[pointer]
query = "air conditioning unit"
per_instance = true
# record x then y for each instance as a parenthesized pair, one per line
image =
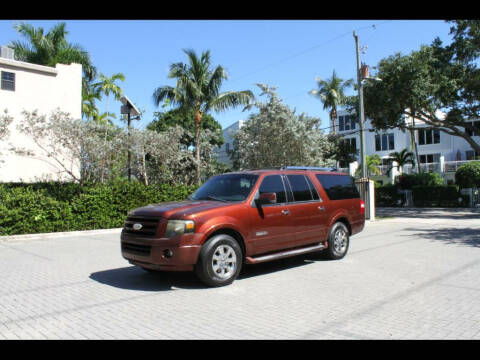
(7, 53)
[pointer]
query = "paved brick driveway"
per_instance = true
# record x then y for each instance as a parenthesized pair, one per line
(414, 277)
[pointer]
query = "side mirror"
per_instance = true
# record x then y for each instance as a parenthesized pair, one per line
(266, 198)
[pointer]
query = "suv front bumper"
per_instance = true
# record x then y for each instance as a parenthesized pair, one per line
(153, 253)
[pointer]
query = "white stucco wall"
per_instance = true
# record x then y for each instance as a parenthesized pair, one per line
(37, 88)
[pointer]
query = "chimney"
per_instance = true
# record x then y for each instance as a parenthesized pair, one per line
(6, 52)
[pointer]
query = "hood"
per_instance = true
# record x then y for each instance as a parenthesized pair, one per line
(179, 209)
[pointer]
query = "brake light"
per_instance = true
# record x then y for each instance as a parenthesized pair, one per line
(362, 207)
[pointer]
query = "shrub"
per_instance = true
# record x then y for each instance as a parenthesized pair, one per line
(50, 207)
(468, 175)
(408, 181)
(388, 196)
(438, 196)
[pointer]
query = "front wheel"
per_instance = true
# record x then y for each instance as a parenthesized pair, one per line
(220, 261)
(338, 242)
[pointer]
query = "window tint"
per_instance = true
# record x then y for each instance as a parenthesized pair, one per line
(300, 188)
(338, 187)
(312, 188)
(273, 183)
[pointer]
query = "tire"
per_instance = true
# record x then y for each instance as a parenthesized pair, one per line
(220, 261)
(338, 242)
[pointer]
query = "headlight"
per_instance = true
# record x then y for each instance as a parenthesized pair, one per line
(179, 227)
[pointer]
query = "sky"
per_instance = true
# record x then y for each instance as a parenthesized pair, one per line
(288, 54)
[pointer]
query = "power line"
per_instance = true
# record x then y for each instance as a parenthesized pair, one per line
(306, 51)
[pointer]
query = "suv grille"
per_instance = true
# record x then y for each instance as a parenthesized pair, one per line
(137, 249)
(149, 225)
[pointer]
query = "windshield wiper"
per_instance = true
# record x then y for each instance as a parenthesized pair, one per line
(209, 197)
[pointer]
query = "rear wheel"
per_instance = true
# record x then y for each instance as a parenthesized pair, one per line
(220, 261)
(338, 242)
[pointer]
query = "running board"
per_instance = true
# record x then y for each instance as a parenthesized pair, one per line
(283, 254)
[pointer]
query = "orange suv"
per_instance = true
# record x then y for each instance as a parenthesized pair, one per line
(246, 217)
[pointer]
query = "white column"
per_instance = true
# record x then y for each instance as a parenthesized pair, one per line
(371, 199)
(352, 167)
(442, 164)
(394, 172)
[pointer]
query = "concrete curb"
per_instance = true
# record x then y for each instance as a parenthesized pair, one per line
(54, 235)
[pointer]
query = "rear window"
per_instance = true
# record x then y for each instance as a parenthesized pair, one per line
(338, 187)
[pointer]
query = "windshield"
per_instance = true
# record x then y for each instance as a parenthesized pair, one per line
(228, 187)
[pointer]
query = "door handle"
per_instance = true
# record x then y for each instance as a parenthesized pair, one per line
(321, 208)
(285, 212)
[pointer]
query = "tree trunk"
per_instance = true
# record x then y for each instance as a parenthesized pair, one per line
(198, 118)
(333, 117)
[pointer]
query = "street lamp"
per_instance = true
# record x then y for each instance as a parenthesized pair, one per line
(129, 109)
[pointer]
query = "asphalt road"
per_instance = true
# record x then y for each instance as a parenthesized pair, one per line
(411, 277)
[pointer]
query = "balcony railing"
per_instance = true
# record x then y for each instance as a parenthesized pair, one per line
(452, 166)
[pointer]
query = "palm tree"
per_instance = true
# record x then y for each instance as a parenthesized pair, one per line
(402, 158)
(51, 48)
(90, 93)
(104, 118)
(108, 85)
(331, 93)
(198, 88)
(372, 162)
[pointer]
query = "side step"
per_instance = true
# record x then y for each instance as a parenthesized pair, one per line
(283, 254)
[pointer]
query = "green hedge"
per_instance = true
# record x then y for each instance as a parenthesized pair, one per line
(468, 175)
(51, 207)
(438, 196)
(387, 196)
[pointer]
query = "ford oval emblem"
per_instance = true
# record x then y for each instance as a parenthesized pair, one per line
(137, 226)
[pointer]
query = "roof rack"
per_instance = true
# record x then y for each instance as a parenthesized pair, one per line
(295, 168)
(307, 168)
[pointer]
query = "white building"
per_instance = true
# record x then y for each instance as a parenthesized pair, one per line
(435, 148)
(228, 133)
(30, 87)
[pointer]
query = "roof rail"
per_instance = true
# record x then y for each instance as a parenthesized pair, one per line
(307, 168)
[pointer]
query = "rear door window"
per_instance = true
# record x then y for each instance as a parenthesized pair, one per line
(300, 188)
(273, 184)
(338, 187)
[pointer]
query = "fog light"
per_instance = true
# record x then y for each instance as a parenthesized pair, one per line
(168, 253)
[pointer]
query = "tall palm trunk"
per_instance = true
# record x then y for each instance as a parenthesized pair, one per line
(333, 117)
(198, 118)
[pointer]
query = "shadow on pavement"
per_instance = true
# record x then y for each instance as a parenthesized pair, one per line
(458, 236)
(428, 213)
(134, 278)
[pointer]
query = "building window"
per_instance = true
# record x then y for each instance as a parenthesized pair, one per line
(346, 122)
(429, 158)
(471, 155)
(384, 142)
(474, 129)
(428, 136)
(8, 81)
(351, 143)
(227, 147)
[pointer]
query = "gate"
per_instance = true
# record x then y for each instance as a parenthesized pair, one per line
(363, 189)
(476, 197)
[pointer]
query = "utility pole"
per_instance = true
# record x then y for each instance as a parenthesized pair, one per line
(360, 109)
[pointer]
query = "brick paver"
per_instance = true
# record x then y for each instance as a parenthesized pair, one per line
(411, 277)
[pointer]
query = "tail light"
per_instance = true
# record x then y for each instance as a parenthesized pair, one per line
(362, 207)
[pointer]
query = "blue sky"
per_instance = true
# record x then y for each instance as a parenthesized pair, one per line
(288, 54)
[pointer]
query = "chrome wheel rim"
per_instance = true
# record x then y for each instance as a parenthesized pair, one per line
(340, 241)
(224, 261)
